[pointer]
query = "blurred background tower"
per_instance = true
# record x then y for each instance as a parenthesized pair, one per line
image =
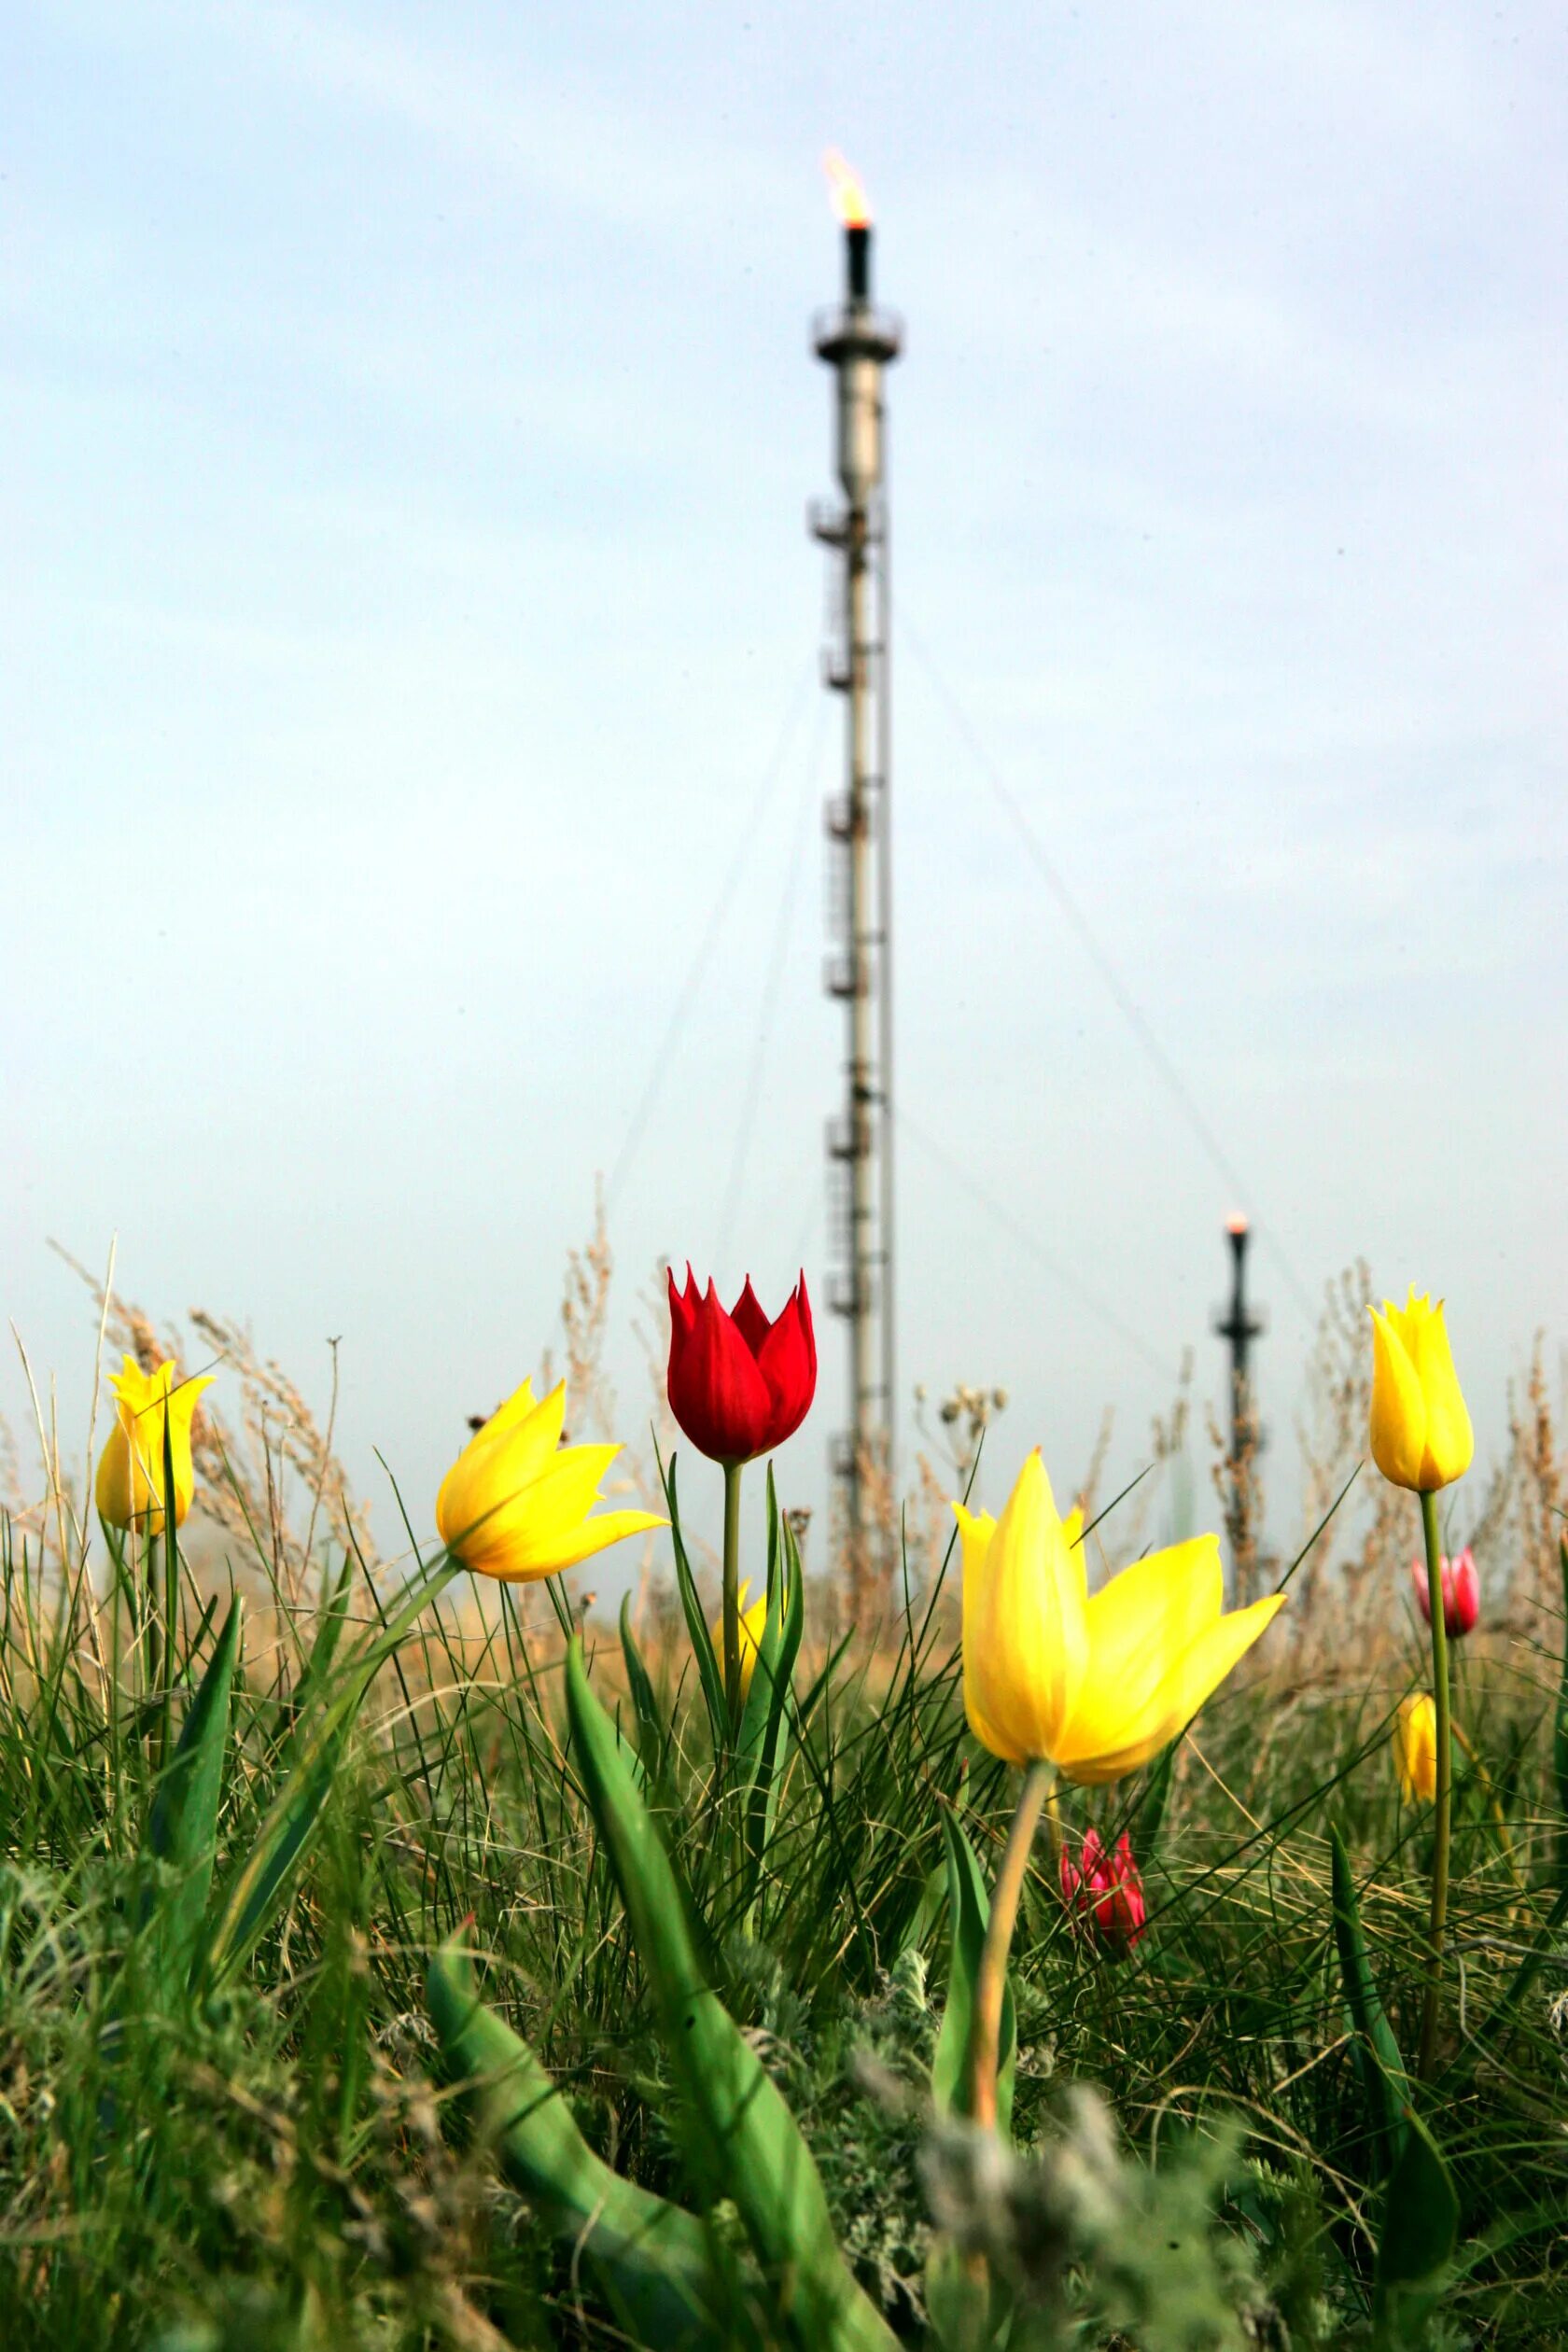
(1240, 1327)
(858, 341)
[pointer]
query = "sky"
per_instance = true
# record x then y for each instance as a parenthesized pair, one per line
(411, 636)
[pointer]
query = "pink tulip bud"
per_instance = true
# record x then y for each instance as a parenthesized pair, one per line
(1462, 1591)
(1105, 1891)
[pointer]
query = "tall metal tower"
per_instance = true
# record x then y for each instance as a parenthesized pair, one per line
(1240, 1327)
(858, 341)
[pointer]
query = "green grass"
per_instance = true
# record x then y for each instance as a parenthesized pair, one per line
(248, 2137)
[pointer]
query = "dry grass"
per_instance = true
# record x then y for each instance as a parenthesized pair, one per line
(308, 2102)
(276, 1505)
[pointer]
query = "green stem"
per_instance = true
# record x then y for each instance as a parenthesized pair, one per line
(991, 1981)
(115, 1667)
(1442, 1818)
(152, 1648)
(732, 1589)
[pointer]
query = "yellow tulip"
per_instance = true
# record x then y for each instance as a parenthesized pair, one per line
(752, 1620)
(1094, 1685)
(515, 1502)
(1422, 1436)
(1414, 1747)
(130, 1483)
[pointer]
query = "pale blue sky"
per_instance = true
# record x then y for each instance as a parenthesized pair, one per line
(409, 420)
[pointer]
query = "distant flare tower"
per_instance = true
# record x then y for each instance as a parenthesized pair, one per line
(1240, 1327)
(858, 341)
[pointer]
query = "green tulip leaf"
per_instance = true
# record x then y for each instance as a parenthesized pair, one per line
(1379, 2064)
(1421, 2224)
(645, 1706)
(710, 1673)
(968, 1909)
(655, 2261)
(765, 1730)
(968, 2306)
(182, 1828)
(738, 2137)
(763, 1693)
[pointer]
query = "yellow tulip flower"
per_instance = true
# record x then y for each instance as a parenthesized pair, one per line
(1414, 1747)
(1095, 1685)
(752, 1620)
(515, 1502)
(1422, 1436)
(130, 1483)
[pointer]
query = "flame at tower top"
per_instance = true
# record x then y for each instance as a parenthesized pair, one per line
(848, 191)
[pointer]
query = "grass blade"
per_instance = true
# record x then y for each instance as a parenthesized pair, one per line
(1150, 1816)
(323, 1649)
(1560, 1728)
(285, 1834)
(315, 1749)
(182, 1828)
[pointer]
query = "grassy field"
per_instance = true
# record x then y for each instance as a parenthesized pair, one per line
(237, 2109)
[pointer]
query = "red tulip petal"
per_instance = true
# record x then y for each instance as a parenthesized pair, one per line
(682, 1315)
(802, 1311)
(683, 1303)
(787, 1363)
(749, 1319)
(1423, 1596)
(716, 1391)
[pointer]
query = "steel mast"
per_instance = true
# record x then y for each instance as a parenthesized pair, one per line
(858, 341)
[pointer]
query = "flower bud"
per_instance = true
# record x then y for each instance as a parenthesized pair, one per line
(1105, 1891)
(1462, 1591)
(1420, 1432)
(130, 1483)
(1414, 1747)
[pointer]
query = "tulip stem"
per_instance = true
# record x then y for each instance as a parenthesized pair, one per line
(732, 1589)
(1443, 1811)
(152, 1647)
(170, 1589)
(1054, 1828)
(991, 1981)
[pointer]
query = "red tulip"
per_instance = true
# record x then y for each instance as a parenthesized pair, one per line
(1106, 1890)
(738, 1384)
(1462, 1591)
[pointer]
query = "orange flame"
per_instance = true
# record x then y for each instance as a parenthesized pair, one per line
(848, 195)
(1235, 1224)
